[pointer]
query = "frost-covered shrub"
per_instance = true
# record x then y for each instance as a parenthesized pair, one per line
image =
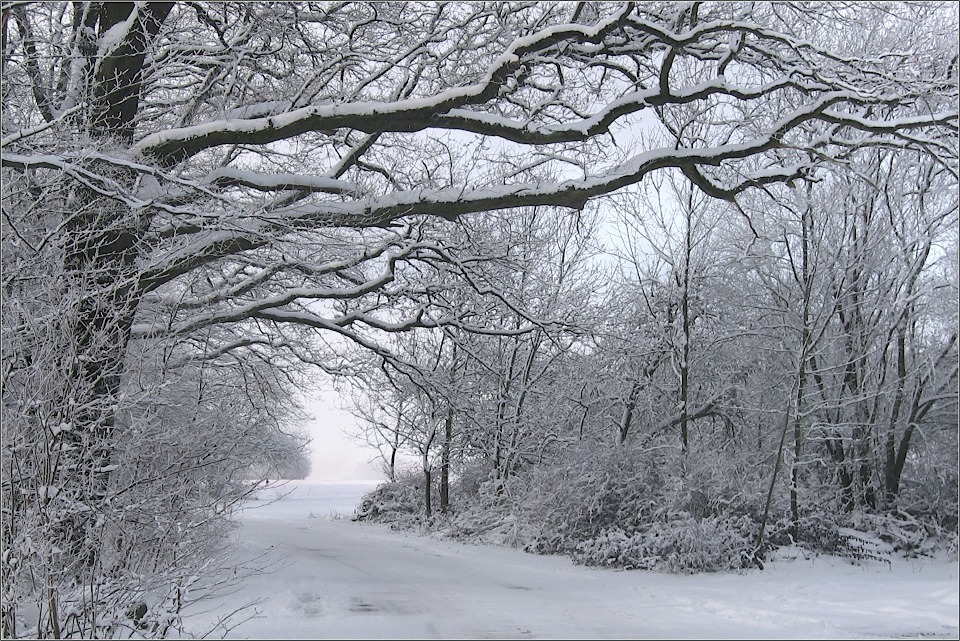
(682, 545)
(818, 533)
(928, 507)
(488, 511)
(594, 490)
(854, 535)
(863, 546)
(466, 484)
(622, 508)
(615, 548)
(713, 544)
(902, 532)
(390, 503)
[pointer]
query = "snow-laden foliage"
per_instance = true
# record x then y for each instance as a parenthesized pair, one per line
(680, 544)
(620, 508)
(594, 490)
(397, 502)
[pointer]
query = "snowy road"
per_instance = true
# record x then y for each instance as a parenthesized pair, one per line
(342, 579)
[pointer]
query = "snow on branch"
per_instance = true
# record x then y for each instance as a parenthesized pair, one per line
(229, 176)
(413, 114)
(452, 203)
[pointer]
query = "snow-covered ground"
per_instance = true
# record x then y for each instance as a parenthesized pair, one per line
(346, 580)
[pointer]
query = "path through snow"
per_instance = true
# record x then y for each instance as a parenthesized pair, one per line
(347, 580)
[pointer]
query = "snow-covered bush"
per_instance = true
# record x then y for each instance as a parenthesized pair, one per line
(859, 535)
(468, 480)
(705, 545)
(591, 491)
(932, 500)
(612, 506)
(817, 533)
(399, 502)
(615, 548)
(683, 544)
(491, 514)
(902, 532)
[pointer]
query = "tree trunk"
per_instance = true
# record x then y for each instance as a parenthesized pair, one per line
(101, 274)
(427, 484)
(758, 550)
(392, 472)
(806, 346)
(685, 332)
(445, 462)
(626, 419)
(99, 294)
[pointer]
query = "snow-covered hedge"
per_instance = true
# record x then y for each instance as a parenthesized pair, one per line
(625, 508)
(682, 545)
